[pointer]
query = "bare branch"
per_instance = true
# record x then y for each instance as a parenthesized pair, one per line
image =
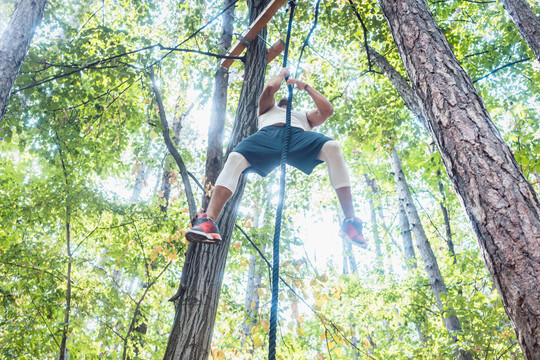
(502, 67)
(365, 33)
(172, 149)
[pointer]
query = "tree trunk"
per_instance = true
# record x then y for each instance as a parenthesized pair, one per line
(379, 266)
(14, 44)
(448, 229)
(501, 205)
(252, 299)
(349, 261)
(65, 328)
(526, 21)
(142, 174)
(408, 248)
(202, 276)
(214, 154)
(407, 94)
(451, 322)
(165, 192)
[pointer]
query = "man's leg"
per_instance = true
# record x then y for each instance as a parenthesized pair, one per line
(339, 178)
(345, 200)
(339, 175)
(220, 195)
(226, 183)
(205, 229)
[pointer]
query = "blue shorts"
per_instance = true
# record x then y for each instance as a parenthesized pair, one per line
(263, 149)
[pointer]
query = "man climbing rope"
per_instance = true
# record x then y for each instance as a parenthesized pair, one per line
(261, 153)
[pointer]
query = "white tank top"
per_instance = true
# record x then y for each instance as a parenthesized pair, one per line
(276, 115)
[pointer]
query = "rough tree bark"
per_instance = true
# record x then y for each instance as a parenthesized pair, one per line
(502, 206)
(14, 44)
(526, 21)
(214, 154)
(451, 322)
(202, 276)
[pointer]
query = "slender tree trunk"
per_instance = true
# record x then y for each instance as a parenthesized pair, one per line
(407, 94)
(345, 256)
(198, 297)
(142, 174)
(451, 322)
(165, 193)
(375, 230)
(65, 328)
(387, 233)
(349, 261)
(410, 256)
(14, 44)
(502, 206)
(214, 154)
(448, 229)
(406, 235)
(526, 21)
(380, 214)
(192, 206)
(252, 300)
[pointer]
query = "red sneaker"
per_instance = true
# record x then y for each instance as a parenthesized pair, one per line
(204, 230)
(352, 228)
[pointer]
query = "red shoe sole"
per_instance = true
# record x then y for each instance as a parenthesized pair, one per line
(360, 243)
(202, 237)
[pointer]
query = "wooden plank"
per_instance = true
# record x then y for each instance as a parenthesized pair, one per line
(276, 49)
(254, 29)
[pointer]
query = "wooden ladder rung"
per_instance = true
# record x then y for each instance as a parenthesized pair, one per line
(254, 29)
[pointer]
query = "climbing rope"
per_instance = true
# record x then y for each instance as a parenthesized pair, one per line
(279, 211)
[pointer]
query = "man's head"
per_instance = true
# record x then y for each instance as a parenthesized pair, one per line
(283, 103)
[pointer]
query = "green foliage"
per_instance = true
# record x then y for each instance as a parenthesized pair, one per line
(82, 124)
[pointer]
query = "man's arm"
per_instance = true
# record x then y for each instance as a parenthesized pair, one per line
(267, 101)
(324, 110)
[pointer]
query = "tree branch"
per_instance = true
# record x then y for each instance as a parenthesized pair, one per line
(502, 67)
(365, 34)
(172, 149)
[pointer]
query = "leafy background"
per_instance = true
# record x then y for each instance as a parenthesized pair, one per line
(75, 144)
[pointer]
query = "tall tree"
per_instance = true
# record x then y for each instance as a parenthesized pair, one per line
(407, 94)
(526, 21)
(202, 276)
(438, 286)
(446, 217)
(15, 42)
(406, 235)
(374, 227)
(501, 205)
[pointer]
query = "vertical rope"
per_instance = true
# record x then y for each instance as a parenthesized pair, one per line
(279, 211)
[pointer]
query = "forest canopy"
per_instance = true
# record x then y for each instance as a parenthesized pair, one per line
(94, 206)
